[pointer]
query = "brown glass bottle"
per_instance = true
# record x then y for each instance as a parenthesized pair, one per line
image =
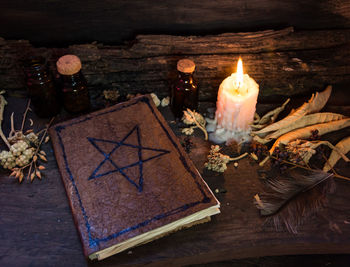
(75, 93)
(41, 88)
(184, 91)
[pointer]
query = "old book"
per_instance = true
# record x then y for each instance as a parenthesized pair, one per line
(127, 178)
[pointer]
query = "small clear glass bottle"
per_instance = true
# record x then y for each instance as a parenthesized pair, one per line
(75, 93)
(41, 88)
(184, 91)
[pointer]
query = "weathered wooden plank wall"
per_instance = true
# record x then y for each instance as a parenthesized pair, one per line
(284, 62)
(56, 22)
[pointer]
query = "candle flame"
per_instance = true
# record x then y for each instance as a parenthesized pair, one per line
(239, 77)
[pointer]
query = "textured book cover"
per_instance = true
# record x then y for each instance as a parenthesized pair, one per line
(126, 175)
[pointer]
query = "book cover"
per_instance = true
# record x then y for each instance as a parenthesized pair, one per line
(127, 178)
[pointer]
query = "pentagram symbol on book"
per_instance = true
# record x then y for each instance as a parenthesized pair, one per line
(131, 148)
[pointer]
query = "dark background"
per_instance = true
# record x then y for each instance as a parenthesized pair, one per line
(62, 22)
(59, 23)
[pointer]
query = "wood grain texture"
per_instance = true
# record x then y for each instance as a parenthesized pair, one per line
(36, 225)
(283, 62)
(78, 21)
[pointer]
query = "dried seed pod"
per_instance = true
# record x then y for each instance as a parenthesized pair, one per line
(37, 173)
(42, 157)
(41, 167)
(32, 176)
(20, 177)
(344, 147)
(254, 156)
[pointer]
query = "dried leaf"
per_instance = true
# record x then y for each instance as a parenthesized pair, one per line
(307, 120)
(37, 173)
(42, 157)
(320, 100)
(256, 118)
(47, 138)
(35, 158)
(315, 103)
(293, 196)
(29, 131)
(32, 176)
(305, 133)
(257, 126)
(21, 176)
(254, 156)
(42, 152)
(272, 115)
(41, 167)
(344, 147)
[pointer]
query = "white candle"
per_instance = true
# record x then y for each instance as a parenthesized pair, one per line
(235, 106)
(236, 102)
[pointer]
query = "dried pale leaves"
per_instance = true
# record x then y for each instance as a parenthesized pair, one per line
(269, 117)
(305, 133)
(307, 120)
(300, 124)
(343, 147)
(315, 104)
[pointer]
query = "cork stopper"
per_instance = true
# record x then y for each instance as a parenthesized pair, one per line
(186, 66)
(68, 65)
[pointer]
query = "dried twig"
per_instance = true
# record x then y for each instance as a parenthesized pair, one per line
(25, 115)
(2, 108)
(190, 112)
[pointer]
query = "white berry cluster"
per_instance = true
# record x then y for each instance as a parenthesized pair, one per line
(32, 137)
(216, 161)
(20, 154)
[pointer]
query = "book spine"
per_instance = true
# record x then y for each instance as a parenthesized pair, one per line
(69, 189)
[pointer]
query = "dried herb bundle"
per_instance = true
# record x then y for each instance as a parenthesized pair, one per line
(291, 198)
(24, 149)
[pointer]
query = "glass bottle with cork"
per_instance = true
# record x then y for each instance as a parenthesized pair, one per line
(75, 93)
(41, 88)
(184, 91)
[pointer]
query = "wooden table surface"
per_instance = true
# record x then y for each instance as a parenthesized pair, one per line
(37, 229)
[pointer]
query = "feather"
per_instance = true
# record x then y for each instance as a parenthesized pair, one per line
(291, 198)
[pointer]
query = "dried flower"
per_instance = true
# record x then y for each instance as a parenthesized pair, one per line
(190, 118)
(112, 95)
(165, 101)
(155, 99)
(24, 150)
(216, 161)
(194, 118)
(187, 131)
